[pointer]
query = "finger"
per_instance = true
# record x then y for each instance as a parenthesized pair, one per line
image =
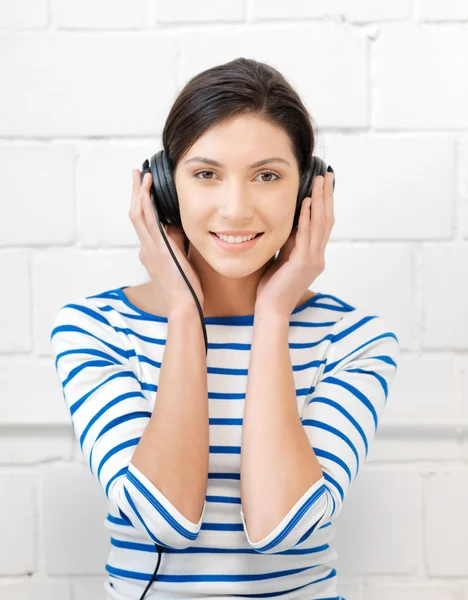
(328, 196)
(317, 219)
(136, 213)
(144, 235)
(136, 187)
(149, 209)
(303, 228)
(136, 180)
(329, 210)
(146, 183)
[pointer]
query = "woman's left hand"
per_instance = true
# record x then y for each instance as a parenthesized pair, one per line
(302, 258)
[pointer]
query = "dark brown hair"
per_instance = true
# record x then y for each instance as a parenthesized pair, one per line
(241, 86)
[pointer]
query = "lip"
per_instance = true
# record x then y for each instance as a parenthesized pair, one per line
(241, 232)
(241, 247)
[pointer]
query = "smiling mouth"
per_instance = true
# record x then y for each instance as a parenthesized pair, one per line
(255, 236)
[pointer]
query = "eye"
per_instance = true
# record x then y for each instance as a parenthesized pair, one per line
(270, 173)
(199, 172)
(262, 173)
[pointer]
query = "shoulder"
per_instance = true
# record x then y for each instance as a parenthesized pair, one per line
(82, 315)
(351, 317)
(362, 333)
(364, 322)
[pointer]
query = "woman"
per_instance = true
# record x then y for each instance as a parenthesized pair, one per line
(225, 470)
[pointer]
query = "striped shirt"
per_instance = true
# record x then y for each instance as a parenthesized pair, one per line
(108, 354)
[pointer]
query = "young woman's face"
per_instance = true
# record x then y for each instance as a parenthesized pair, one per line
(237, 196)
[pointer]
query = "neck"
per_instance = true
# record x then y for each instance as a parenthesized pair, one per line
(226, 296)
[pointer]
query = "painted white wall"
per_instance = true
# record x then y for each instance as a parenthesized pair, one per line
(85, 89)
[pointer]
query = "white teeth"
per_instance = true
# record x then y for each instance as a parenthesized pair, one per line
(235, 239)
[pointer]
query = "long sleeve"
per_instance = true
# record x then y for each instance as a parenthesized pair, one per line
(109, 413)
(340, 417)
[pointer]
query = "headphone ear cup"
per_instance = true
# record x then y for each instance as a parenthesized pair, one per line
(316, 167)
(163, 191)
(170, 189)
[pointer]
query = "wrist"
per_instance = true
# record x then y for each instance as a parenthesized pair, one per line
(184, 313)
(270, 315)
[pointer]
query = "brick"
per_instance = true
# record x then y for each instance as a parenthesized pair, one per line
(445, 523)
(61, 277)
(23, 15)
(416, 77)
(17, 523)
(379, 530)
(377, 198)
(105, 14)
(40, 205)
(74, 510)
(15, 302)
(93, 84)
(443, 268)
(320, 83)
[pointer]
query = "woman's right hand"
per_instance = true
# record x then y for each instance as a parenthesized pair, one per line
(169, 285)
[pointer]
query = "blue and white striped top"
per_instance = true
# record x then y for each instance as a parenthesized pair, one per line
(108, 355)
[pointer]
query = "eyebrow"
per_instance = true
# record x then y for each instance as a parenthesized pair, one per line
(215, 163)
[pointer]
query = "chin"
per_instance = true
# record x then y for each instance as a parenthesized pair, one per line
(233, 271)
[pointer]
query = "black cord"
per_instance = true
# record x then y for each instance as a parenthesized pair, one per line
(159, 549)
(200, 312)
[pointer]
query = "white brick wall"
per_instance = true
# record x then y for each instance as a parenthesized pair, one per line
(85, 89)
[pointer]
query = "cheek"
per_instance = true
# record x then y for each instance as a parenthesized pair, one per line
(192, 218)
(282, 216)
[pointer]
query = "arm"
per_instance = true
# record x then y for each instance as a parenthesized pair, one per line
(174, 449)
(277, 463)
(296, 470)
(152, 466)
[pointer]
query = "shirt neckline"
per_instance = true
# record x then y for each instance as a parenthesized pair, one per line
(223, 320)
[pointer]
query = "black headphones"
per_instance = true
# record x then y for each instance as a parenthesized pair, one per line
(166, 207)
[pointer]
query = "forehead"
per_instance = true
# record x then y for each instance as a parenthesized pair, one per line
(242, 140)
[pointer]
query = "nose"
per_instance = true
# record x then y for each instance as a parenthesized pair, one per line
(236, 206)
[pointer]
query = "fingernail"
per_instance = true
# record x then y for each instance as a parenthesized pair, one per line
(330, 169)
